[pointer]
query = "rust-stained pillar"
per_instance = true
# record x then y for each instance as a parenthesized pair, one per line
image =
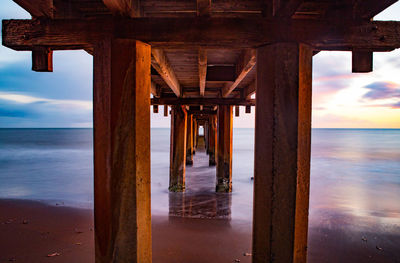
(213, 140)
(121, 122)
(282, 153)
(177, 149)
(224, 152)
(189, 140)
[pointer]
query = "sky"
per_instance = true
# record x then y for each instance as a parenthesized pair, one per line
(63, 98)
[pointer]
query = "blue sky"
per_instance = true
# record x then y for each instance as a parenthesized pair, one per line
(64, 98)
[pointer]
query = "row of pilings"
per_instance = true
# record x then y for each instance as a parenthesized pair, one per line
(217, 134)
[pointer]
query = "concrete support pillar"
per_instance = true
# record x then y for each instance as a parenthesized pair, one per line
(121, 122)
(178, 149)
(212, 140)
(189, 140)
(282, 153)
(224, 152)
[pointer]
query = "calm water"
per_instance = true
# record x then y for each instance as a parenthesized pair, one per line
(355, 178)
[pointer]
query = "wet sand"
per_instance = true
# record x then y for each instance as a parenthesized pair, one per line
(68, 231)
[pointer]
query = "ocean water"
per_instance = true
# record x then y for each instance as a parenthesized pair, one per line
(355, 179)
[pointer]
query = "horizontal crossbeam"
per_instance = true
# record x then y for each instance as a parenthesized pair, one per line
(204, 32)
(202, 101)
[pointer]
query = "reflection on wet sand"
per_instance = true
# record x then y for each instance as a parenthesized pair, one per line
(200, 199)
(200, 205)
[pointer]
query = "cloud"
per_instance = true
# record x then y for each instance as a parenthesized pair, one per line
(396, 105)
(382, 90)
(20, 110)
(339, 121)
(25, 99)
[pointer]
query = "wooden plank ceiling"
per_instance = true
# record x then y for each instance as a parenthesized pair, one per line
(199, 72)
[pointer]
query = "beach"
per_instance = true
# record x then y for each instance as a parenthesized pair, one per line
(46, 202)
(69, 232)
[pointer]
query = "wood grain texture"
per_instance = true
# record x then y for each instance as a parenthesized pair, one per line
(38, 8)
(189, 33)
(42, 59)
(202, 70)
(130, 8)
(203, 7)
(121, 115)
(161, 64)
(282, 153)
(243, 66)
(177, 149)
(224, 152)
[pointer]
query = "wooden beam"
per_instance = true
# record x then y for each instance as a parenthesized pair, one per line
(165, 110)
(42, 59)
(153, 89)
(202, 101)
(249, 91)
(37, 8)
(155, 108)
(121, 122)
(161, 64)
(282, 153)
(195, 32)
(367, 9)
(237, 111)
(129, 8)
(246, 62)
(285, 8)
(202, 112)
(178, 149)
(203, 7)
(248, 109)
(224, 152)
(202, 70)
(362, 61)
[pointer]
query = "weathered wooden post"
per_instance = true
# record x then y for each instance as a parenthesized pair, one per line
(206, 135)
(224, 152)
(282, 153)
(196, 135)
(121, 121)
(213, 140)
(189, 140)
(178, 149)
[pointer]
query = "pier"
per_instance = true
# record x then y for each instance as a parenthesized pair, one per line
(200, 61)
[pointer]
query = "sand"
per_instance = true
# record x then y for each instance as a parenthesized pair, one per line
(29, 231)
(69, 232)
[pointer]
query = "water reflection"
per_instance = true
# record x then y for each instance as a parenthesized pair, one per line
(200, 205)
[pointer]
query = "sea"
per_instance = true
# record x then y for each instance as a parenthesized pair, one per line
(354, 191)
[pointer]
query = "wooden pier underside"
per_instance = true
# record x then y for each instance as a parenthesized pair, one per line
(202, 58)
